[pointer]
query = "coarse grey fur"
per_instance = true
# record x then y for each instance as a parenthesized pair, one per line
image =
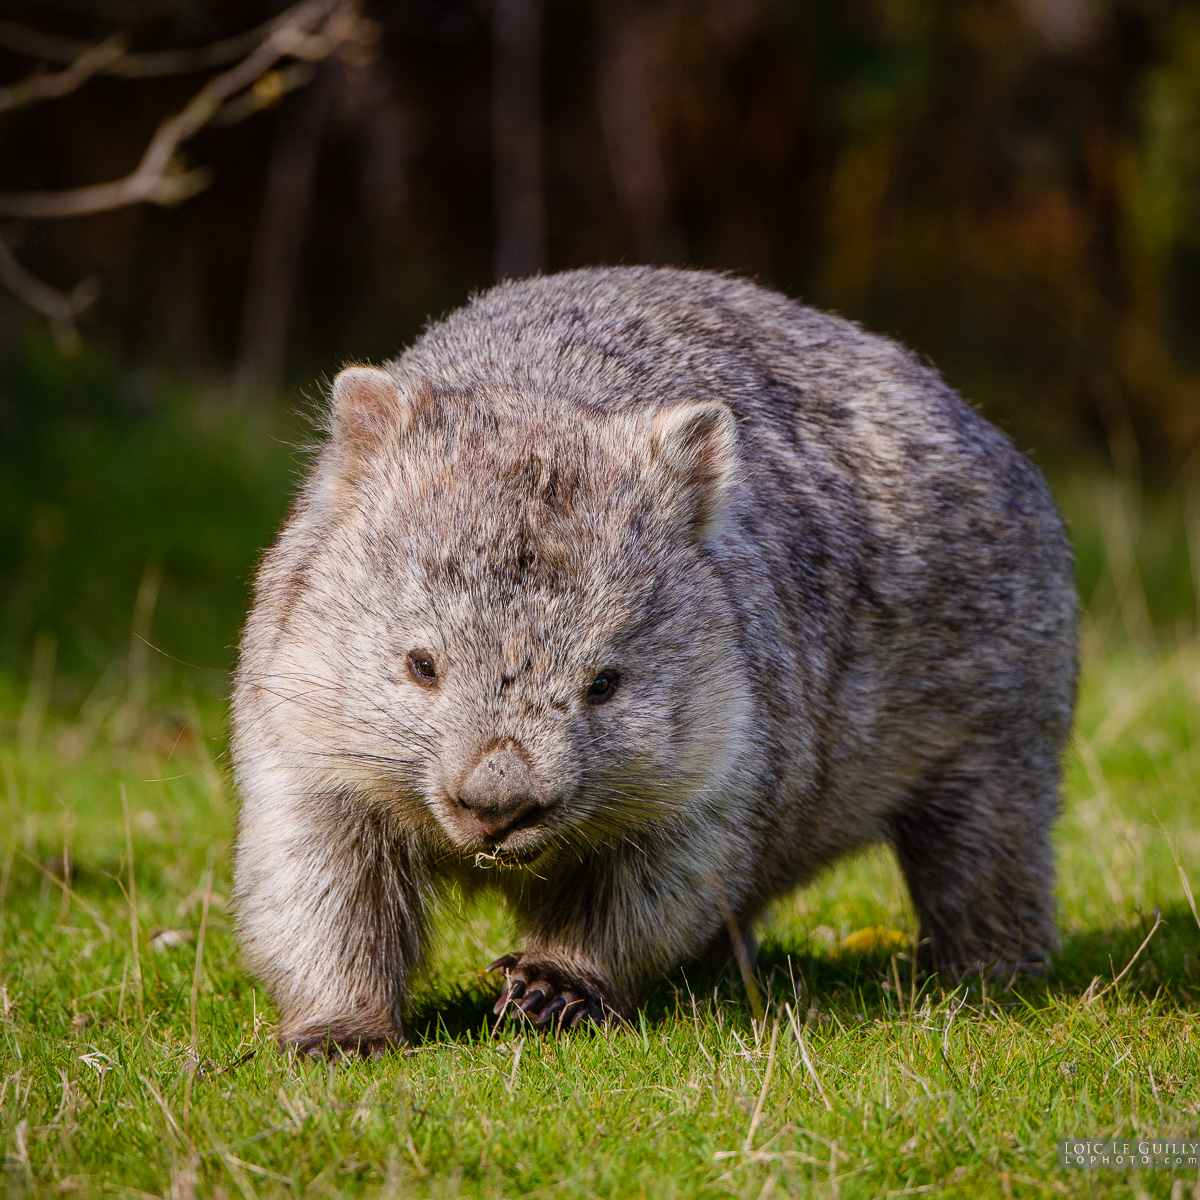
(832, 604)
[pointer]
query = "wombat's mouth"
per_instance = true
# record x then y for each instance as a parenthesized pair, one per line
(517, 844)
(519, 851)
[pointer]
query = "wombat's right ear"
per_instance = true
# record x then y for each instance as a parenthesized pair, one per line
(695, 447)
(368, 409)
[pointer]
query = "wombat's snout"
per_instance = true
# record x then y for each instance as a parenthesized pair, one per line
(500, 793)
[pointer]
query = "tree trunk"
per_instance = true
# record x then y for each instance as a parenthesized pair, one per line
(279, 240)
(517, 137)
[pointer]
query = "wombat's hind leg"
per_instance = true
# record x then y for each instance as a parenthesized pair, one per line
(736, 948)
(551, 993)
(974, 844)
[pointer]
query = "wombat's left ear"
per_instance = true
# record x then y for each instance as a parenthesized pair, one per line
(695, 447)
(368, 409)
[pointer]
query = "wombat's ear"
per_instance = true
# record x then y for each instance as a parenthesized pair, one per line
(695, 447)
(368, 409)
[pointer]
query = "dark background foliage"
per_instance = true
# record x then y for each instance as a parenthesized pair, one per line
(1010, 186)
(1013, 187)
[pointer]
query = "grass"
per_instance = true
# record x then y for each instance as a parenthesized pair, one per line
(136, 1057)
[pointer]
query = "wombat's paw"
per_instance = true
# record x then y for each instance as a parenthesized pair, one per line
(334, 1043)
(551, 995)
(995, 957)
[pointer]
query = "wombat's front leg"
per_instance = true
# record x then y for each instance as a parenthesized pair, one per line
(595, 942)
(329, 911)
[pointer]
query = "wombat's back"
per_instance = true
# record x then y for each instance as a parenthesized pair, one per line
(903, 572)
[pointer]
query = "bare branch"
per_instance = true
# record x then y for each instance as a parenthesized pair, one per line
(266, 93)
(156, 64)
(59, 308)
(91, 60)
(316, 28)
(308, 32)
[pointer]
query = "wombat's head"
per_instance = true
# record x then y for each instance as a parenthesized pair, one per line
(513, 621)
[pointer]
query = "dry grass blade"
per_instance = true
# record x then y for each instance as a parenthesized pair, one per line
(748, 1145)
(510, 1084)
(173, 1126)
(70, 892)
(808, 1065)
(740, 952)
(134, 925)
(1091, 995)
(1135, 702)
(194, 1058)
(1183, 879)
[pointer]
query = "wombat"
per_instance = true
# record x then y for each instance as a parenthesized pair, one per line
(641, 595)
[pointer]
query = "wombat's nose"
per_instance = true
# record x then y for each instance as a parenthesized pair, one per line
(499, 792)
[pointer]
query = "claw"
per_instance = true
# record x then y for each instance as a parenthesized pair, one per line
(550, 1011)
(513, 989)
(534, 1000)
(547, 995)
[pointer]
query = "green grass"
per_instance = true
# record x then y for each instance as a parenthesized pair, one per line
(130, 1065)
(131, 507)
(137, 1061)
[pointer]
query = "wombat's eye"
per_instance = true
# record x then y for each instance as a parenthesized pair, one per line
(420, 663)
(602, 687)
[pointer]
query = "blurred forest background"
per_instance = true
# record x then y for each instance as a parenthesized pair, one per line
(1012, 187)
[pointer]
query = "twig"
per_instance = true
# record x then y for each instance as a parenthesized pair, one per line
(155, 64)
(228, 1069)
(90, 60)
(59, 308)
(153, 180)
(310, 31)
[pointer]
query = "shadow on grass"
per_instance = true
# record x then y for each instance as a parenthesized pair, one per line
(848, 988)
